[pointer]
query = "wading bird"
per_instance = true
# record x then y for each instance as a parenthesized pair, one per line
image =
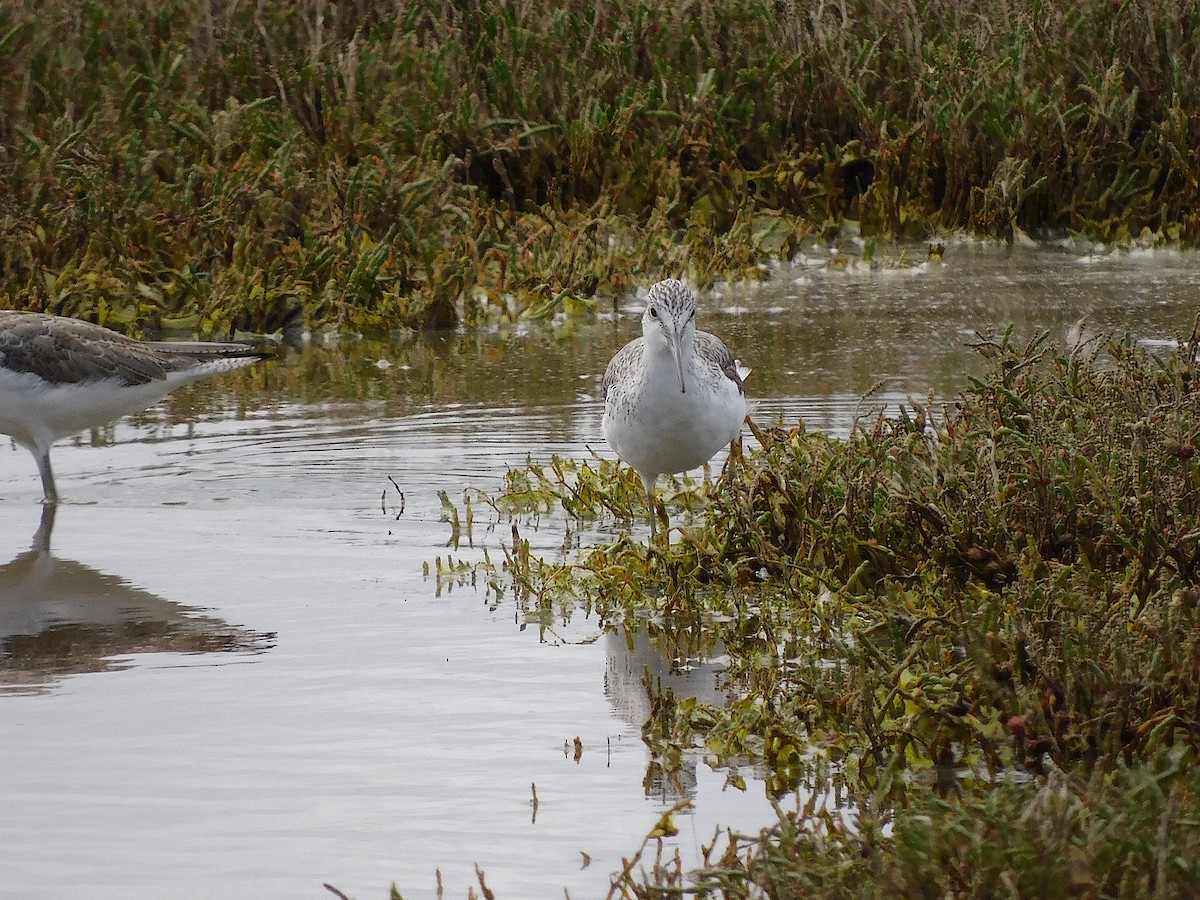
(674, 396)
(59, 376)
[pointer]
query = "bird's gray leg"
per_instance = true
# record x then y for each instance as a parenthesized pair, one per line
(41, 537)
(649, 483)
(48, 489)
(733, 460)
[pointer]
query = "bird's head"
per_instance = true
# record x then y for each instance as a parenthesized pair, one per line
(670, 320)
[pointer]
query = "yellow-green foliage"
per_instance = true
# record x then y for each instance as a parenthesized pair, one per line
(949, 596)
(369, 164)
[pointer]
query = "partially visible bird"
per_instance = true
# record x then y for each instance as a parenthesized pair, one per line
(59, 376)
(674, 396)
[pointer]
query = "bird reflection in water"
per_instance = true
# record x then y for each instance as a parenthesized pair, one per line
(59, 617)
(642, 670)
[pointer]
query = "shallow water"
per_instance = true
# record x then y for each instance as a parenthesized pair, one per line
(232, 678)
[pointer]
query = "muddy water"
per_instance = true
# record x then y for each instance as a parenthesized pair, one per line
(230, 676)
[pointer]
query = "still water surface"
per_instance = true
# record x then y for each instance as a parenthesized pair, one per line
(232, 678)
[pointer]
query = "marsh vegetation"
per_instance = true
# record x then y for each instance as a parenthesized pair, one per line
(975, 622)
(367, 165)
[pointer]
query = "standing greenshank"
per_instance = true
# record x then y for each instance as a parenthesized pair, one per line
(59, 376)
(674, 396)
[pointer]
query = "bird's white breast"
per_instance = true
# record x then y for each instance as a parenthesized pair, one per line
(37, 412)
(658, 429)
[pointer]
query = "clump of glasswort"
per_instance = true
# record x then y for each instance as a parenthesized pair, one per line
(996, 599)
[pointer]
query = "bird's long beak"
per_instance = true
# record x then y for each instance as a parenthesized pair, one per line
(674, 342)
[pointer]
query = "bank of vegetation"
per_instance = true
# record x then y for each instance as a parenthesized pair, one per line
(369, 164)
(971, 635)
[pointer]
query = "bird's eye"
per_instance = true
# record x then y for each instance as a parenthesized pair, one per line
(653, 312)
